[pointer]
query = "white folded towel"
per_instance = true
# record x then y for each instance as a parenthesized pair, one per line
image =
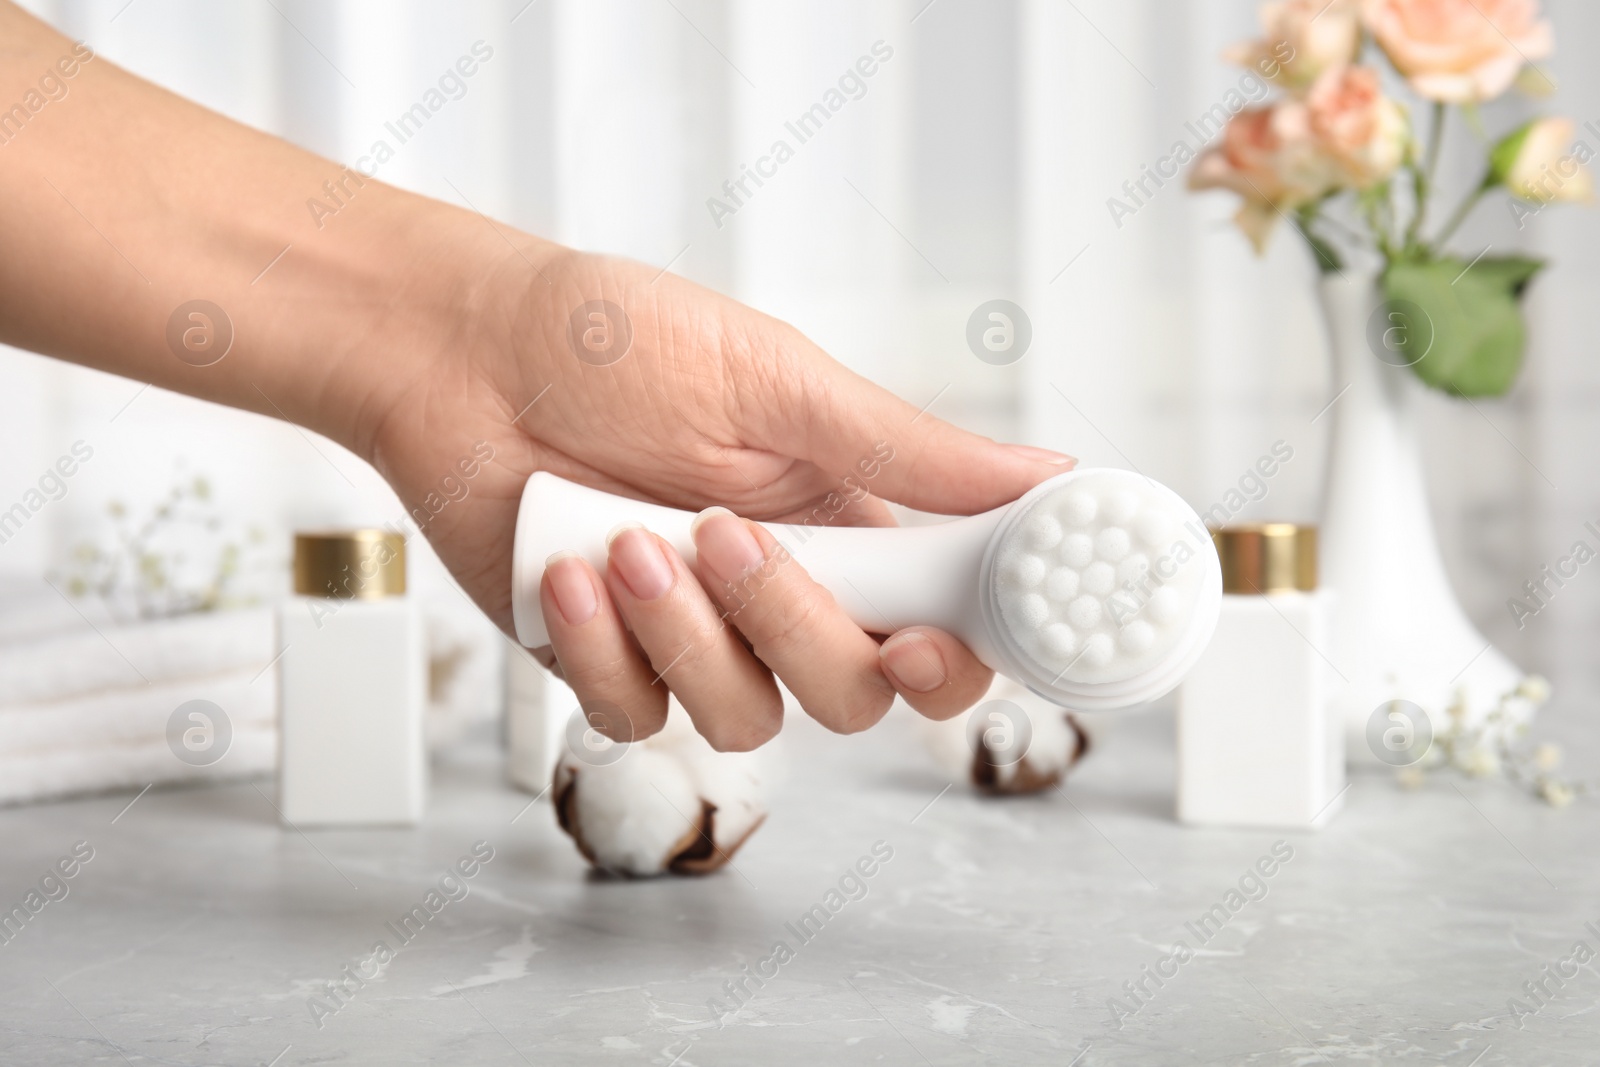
(85, 660)
(136, 716)
(62, 772)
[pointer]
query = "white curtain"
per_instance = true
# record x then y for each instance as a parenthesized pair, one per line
(976, 163)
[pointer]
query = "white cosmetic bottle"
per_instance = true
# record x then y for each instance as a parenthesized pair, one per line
(1258, 742)
(352, 685)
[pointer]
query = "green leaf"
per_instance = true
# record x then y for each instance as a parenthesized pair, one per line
(1471, 330)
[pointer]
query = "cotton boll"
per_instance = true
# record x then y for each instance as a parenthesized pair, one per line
(632, 816)
(731, 782)
(1077, 550)
(1055, 742)
(668, 803)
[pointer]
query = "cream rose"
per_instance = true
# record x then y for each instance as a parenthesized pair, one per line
(1300, 39)
(1459, 51)
(1270, 158)
(1363, 131)
(1539, 163)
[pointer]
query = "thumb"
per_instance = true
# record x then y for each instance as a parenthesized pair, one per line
(850, 427)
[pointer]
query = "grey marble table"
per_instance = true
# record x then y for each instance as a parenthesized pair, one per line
(999, 931)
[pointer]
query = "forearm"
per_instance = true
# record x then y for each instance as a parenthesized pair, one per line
(123, 202)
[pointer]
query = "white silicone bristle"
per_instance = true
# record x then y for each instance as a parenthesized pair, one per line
(1085, 612)
(1077, 550)
(1117, 581)
(1044, 532)
(1099, 578)
(1112, 543)
(1079, 509)
(1062, 584)
(1034, 609)
(1029, 570)
(1060, 643)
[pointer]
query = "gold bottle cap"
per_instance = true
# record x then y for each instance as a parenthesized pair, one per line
(349, 564)
(1267, 557)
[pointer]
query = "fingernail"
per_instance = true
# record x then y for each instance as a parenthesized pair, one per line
(913, 662)
(640, 560)
(1043, 455)
(573, 588)
(726, 544)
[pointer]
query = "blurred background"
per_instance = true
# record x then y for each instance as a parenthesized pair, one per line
(974, 164)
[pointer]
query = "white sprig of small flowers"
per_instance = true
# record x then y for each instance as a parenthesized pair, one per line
(1490, 748)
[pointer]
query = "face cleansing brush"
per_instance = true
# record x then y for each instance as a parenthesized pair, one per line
(1098, 589)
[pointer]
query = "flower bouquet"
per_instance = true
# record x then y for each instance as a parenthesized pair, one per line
(1338, 156)
(1345, 164)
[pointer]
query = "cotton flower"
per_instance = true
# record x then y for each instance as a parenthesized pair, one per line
(666, 804)
(984, 753)
(1299, 40)
(1459, 51)
(1364, 131)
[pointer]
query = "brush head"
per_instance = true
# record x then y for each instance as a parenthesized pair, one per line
(1103, 586)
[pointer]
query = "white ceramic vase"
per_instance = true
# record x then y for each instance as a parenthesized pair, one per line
(1398, 631)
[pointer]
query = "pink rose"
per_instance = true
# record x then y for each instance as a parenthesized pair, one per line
(1364, 131)
(1270, 158)
(1300, 39)
(1459, 51)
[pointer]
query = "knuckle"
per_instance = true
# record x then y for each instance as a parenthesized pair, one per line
(860, 709)
(790, 621)
(758, 723)
(689, 653)
(594, 676)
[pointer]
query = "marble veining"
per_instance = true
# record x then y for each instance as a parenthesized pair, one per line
(1042, 929)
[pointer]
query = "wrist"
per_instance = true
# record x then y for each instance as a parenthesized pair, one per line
(398, 300)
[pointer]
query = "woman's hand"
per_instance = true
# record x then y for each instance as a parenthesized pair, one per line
(707, 405)
(426, 337)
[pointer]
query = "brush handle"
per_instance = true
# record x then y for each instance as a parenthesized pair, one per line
(885, 578)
